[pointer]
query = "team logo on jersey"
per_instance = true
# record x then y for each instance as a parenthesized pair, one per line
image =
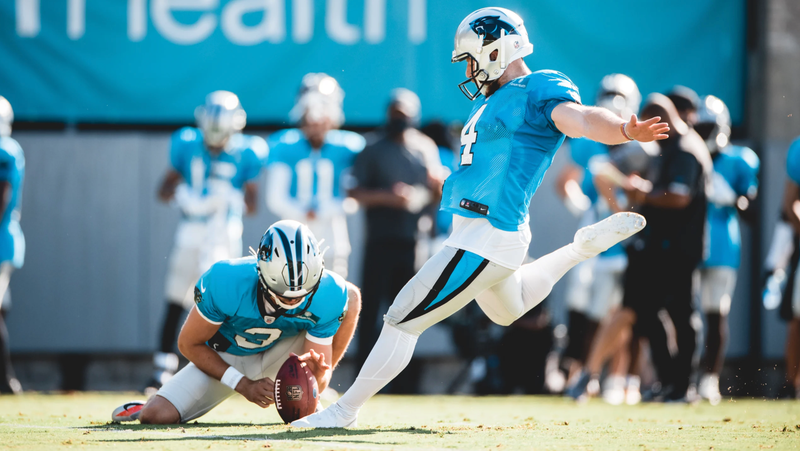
(294, 392)
(198, 295)
(269, 319)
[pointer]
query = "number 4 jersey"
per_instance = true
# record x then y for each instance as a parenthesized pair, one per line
(229, 295)
(506, 147)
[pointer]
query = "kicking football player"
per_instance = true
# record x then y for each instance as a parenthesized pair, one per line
(307, 163)
(595, 286)
(212, 180)
(12, 242)
(249, 315)
(507, 145)
(734, 185)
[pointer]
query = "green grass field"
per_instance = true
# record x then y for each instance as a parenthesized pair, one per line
(80, 421)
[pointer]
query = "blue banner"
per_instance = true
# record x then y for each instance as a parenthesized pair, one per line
(153, 61)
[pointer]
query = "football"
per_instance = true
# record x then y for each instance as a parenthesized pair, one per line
(296, 391)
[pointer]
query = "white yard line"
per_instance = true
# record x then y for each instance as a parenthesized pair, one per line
(225, 437)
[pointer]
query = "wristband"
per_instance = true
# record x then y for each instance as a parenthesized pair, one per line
(622, 128)
(231, 377)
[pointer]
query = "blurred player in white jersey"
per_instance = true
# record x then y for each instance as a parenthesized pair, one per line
(595, 286)
(734, 186)
(12, 242)
(212, 181)
(306, 166)
(508, 143)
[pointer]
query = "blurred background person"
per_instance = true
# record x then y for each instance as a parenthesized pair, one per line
(657, 296)
(12, 241)
(595, 286)
(394, 179)
(306, 166)
(445, 140)
(734, 185)
(686, 101)
(212, 181)
(790, 305)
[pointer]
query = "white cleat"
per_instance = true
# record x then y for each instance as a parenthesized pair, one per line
(332, 417)
(596, 238)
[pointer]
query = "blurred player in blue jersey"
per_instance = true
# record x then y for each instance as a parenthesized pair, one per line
(734, 186)
(595, 287)
(212, 180)
(507, 145)
(249, 315)
(12, 242)
(306, 165)
(790, 305)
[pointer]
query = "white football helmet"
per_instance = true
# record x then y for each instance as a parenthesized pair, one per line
(289, 263)
(619, 94)
(319, 96)
(6, 117)
(479, 35)
(713, 123)
(220, 117)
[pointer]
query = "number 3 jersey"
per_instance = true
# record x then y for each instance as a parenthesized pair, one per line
(506, 147)
(229, 294)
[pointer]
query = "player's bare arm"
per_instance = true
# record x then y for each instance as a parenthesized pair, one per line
(166, 191)
(348, 327)
(6, 192)
(192, 344)
(791, 204)
(601, 125)
(250, 197)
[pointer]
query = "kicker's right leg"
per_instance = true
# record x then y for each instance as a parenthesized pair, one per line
(446, 283)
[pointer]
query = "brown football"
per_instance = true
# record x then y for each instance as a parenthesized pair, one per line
(296, 391)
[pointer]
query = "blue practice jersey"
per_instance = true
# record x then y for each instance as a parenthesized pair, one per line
(315, 174)
(582, 150)
(228, 294)
(12, 170)
(239, 163)
(506, 146)
(793, 161)
(738, 166)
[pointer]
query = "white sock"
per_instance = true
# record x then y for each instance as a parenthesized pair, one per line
(388, 358)
(539, 277)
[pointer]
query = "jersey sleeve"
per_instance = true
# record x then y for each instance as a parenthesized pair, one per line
(324, 331)
(254, 158)
(793, 161)
(553, 89)
(747, 182)
(177, 149)
(361, 172)
(204, 299)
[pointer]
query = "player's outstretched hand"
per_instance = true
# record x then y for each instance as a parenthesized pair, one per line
(646, 131)
(316, 363)
(260, 392)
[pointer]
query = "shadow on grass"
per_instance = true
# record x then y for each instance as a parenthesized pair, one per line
(310, 435)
